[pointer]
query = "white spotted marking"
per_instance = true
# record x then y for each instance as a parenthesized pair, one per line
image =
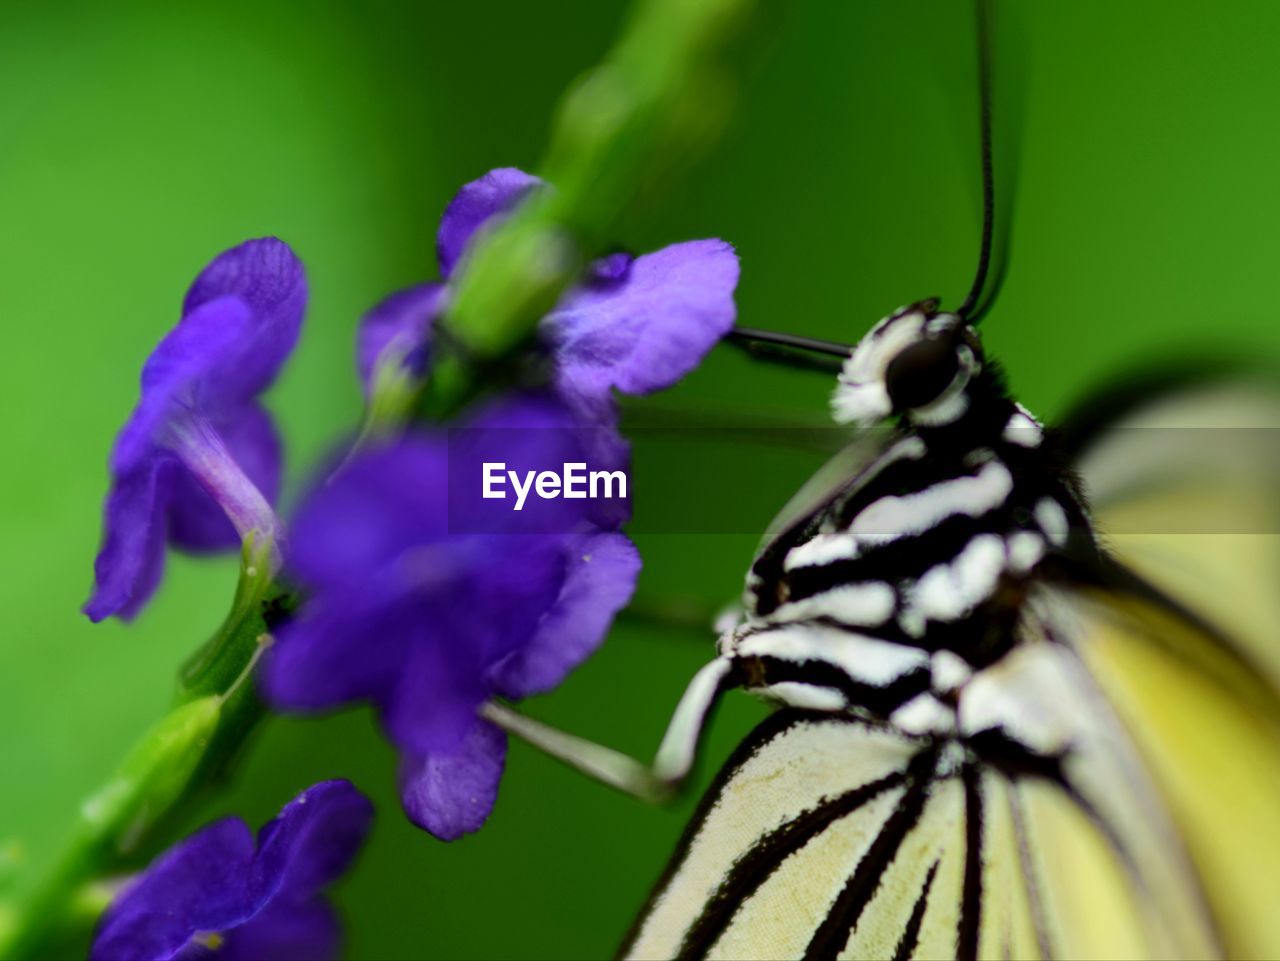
(948, 671)
(1026, 548)
(924, 714)
(822, 549)
(1022, 429)
(912, 621)
(896, 516)
(808, 696)
(866, 659)
(947, 592)
(1021, 694)
(863, 604)
(1052, 520)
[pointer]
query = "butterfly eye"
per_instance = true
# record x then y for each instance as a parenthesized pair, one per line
(921, 372)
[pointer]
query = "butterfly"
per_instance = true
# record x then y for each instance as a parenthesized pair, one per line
(1028, 679)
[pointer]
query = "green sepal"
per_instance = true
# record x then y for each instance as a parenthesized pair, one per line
(221, 662)
(393, 395)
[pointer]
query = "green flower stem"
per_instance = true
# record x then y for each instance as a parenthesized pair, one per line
(117, 818)
(221, 663)
(214, 712)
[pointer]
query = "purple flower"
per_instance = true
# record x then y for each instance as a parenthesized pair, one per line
(218, 894)
(197, 464)
(427, 601)
(635, 324)
(426, 598)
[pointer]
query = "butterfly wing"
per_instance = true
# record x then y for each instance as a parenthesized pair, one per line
(1110, 872)
(1184, 481)
(842, 470)
(1186, 491)
(825, 837)
(801, 787)
(1209, 734)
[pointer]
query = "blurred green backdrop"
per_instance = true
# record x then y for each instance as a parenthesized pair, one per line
(138, 139)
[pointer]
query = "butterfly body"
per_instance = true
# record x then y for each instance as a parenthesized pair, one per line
(960, 767)
(890, 594)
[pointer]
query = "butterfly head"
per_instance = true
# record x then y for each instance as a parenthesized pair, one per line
(916, 363)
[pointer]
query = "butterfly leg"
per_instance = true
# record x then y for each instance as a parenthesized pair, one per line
(676, 754)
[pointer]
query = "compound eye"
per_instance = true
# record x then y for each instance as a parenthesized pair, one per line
(921, 372)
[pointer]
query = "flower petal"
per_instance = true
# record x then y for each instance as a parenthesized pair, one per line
(199, 524)
(499, 590)
(283, 931)
(129, 565)
(261, 903)
(268, 277)
(413, 602)
(401, 322)
(496, 192)
(311, 843)
(201, 884)
(190, 355)
(344, 646)
(452, 794)
(440, 687)
(643, 329)
(399, 499)
(600, 579)
(385, 502)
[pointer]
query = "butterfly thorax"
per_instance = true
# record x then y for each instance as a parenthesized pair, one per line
(914, 574)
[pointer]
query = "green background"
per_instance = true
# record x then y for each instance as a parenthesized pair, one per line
(137, 140)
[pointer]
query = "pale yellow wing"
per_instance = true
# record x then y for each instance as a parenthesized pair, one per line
(1208, 730)
(1185, 490)
(1101, 853)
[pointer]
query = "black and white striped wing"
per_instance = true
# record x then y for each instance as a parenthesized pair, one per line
(825, 837)
(843, 470)
(794, 835)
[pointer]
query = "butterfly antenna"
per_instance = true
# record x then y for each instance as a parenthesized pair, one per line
(791, 350)
(752, 335)
(967, 309)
